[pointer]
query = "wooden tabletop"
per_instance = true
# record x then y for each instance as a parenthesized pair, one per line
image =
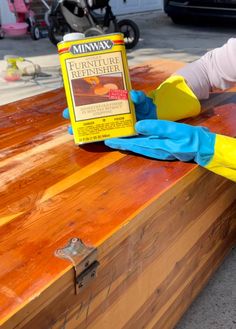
(52, 190)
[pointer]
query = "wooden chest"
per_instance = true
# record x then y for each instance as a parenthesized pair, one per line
(152, 232)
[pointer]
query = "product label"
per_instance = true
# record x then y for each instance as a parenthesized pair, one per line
(91, 47)
(96, 80)
(97, 85)
(92, 131)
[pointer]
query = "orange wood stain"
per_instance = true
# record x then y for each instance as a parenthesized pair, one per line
(52, 190)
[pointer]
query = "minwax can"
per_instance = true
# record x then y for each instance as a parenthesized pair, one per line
(97, 83)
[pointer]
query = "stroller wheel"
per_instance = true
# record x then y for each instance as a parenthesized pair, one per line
(93, 31)
(130, 31)
(35, 32)
(57, 30)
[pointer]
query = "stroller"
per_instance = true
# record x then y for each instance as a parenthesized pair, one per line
(67, 16)
(25, 20)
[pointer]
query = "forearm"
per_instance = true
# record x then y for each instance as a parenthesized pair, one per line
(216, 69)
(224, 160)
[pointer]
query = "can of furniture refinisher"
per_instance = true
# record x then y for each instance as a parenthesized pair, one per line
(97, 83)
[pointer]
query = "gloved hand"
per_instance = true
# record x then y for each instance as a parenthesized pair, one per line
(66, 115)
(144, 106)
(173, 100)
(166, 140)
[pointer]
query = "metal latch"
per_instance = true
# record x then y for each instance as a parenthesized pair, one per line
(84, 259)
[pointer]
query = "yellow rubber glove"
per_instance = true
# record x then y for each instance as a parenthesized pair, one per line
(223, 161)
(174, 100)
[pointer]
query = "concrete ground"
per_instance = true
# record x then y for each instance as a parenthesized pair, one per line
(215, 308)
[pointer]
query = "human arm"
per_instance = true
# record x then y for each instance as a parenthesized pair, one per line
(178, 96)
(166, 140)
(215, 70)
(223, 161)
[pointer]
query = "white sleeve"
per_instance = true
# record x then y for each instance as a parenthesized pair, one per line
(216, 69)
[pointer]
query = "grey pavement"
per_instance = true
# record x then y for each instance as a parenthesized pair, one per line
(215, 307)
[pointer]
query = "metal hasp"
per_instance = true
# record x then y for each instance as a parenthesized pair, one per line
(84, 259)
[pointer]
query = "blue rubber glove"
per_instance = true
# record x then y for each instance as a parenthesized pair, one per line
(66, 115)
(144, 106)
(167, 140)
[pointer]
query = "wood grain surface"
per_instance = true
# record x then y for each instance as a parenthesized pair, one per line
(52, 190)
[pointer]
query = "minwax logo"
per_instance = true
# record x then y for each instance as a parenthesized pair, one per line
(91, 47)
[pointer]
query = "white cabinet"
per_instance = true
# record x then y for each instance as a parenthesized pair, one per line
(134, 6)
(118, 7)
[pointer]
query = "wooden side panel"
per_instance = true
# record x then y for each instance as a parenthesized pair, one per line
(221, 237)
(148, 278)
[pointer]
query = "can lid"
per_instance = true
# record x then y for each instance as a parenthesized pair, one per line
(73, 36)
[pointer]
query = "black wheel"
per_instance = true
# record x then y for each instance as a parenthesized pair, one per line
(35, 32)
(56, 30)
(2, 34)
(130, 31)
(93, 31)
